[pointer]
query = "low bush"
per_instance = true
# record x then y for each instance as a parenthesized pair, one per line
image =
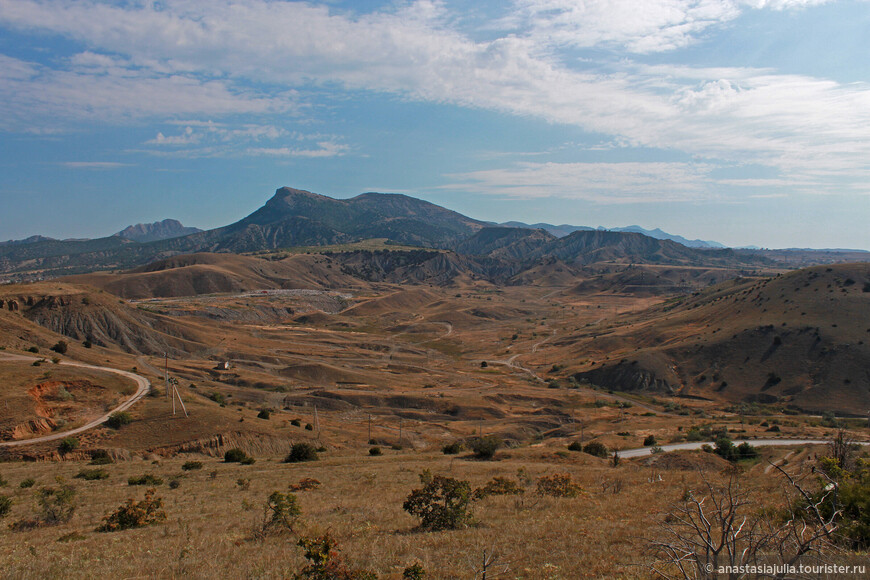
(452, 448)
(498, 486)
(25, 483)
(119, 419)
(280, 513)
(92, 474)
(596, 448)
(191, 465)
(305, 484)
(135, 514)
(375, 451)
(235, 455)
(558, 485)
(5, 505)
(325, 563)
(264, 414)
(146, 479)
(301, 452)
(443, 503)
(485, 447)
(60, 347)
(649, 441)
(68, 444)
(575, 446)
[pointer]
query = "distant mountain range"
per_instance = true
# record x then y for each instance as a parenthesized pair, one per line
(294, 218)
(563, 230)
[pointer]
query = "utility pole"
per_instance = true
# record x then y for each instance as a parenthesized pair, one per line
(370, 427)
(400, 430)
(166, 373)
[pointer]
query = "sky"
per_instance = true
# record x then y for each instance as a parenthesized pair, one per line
(746, 122)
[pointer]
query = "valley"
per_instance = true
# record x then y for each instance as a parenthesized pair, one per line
(392, 359)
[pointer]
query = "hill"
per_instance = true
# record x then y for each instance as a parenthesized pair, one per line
(799, 339)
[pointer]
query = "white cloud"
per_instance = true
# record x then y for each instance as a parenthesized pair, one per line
(94, 165)
(628, 182)
(196, 58)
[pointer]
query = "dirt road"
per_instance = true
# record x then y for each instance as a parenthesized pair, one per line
(143, 387)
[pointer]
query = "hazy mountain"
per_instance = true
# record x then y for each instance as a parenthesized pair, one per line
(30, 240)
(563, 230)
(662, 235)
(162, 230)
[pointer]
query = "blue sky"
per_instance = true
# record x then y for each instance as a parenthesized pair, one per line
(741, 121)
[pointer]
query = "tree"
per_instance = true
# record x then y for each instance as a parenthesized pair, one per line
(721, 524)
(60, 347)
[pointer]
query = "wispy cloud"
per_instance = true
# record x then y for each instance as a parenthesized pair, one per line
(97, 165)
(195, 58)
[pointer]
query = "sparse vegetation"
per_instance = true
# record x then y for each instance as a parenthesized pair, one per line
(191, 465)
(68, 445)
(146, 479)
(443, 503)
(92, 474)
(119, 419)
(135, 514)
(558, 485)
(301, 452)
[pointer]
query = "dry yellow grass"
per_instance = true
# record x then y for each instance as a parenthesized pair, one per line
(208, 532)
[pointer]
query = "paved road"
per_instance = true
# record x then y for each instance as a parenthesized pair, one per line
(754, 442)
(142, 382)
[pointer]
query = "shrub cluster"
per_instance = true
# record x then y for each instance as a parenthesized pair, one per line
(191, 465)
(119, 419)
(146, 479)
(596, 448)
(325, 563)
(498, 486)
(301, 452)
(485, 447)
(443, 503)
(558, 485)
(135, 514)
(92, 474)
(236, 455)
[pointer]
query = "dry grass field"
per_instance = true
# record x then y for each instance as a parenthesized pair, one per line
(600, 534)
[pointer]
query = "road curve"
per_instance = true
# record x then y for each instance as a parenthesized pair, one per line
(143, 387)
(643, 451)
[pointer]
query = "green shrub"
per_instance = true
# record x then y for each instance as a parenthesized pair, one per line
(68, 444)
(575, 446)
(191, 465)
(174, 483)
(301, 452)
(280, 513)
(325, 563)
(25, 483)
(452, 448)
(305, 484)
(119, 419)
(235, 455)
(296, 423)
(498, 486)
(33, 349)
(596, 448)
(558, 485)
(264, 414)
(55, 505)
(146, 479)
(5, 505)
(92, 474)
(443, 503)
(248, 460)
(135, 514)
(415, 571)
(309, 427)
(218, 398)
(485, 447)
(649, 441)
(60, 347)
(375, 451)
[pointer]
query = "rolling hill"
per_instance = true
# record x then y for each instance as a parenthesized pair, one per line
(801, 339)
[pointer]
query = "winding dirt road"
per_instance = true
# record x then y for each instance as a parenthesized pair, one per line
(143, 387)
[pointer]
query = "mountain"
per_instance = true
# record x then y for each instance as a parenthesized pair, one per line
(162, 230)
(564, 230)
(559, 231)
(662, 235)
(30, 240)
